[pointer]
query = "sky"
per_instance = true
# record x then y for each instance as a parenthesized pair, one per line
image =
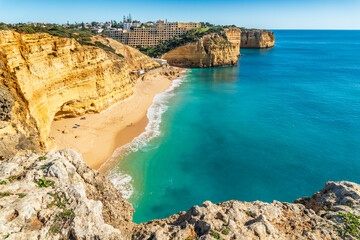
(269, 14)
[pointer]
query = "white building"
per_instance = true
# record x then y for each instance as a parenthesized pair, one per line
(127, 26)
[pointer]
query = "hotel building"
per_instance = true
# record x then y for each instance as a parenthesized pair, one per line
(151, 36)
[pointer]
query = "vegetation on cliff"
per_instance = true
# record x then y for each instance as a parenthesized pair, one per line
(52, 29)
(82, 36)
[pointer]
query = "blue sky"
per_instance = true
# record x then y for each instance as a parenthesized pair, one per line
(271, 14)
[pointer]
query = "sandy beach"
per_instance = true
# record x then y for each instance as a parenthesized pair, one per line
(96, 136)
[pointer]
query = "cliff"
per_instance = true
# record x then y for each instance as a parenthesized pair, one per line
(257, 39)
(212, 50)
(56, 196)
(43, 77)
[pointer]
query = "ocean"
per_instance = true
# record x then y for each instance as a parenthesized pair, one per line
(275, 127)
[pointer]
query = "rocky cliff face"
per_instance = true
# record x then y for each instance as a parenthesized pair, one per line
(212, 50)
(257, 39)
(56, 196)
(44, 77)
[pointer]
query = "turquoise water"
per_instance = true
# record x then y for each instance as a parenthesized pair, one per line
(276, 127)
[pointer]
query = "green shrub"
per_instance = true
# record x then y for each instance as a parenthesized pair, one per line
(216, 235)
(42, 158)
(13, 178)
(225, 231)
(248, 213)
(4, 194)
(21, 195)
(53, 230)
(66, 214)
(45, 166)
(352, 224)
(3, 182)
(44, 183)
(62, 220)
(59, 201)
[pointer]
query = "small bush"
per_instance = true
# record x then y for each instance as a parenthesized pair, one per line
(59, 201)
(352, 224)
(62, 220)
(4, 194)
(13, 178)
(21, 195)
(66, 214)
(52, 230)
(42, 158)
(44, 183)
(3, 182)
(225, 231)
(45, 166)
(216, 235)
(248, 213)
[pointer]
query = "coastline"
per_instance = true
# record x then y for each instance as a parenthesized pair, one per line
(97, 136)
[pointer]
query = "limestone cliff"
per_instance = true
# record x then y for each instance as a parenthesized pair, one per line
(257, 39)
(43, 77)
(212, 50)
(56, 196)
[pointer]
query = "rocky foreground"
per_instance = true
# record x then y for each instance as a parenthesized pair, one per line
(56, 196)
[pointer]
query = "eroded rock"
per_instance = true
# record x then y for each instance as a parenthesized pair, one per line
(56, 196)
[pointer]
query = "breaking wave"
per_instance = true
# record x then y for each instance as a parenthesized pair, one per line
(123, 181)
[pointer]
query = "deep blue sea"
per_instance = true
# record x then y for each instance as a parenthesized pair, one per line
(275, 127)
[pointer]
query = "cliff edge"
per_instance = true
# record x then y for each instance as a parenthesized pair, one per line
(212, 50)
(56, 196)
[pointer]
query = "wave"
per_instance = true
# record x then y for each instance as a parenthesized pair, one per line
(121, 180)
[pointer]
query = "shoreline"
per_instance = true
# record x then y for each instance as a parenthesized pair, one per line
(97, 136)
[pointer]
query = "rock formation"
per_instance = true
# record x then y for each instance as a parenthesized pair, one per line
(56, 196)
(43, 77)
(257, 39)
(212, 50)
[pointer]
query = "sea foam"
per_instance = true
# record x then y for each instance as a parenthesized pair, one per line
(123, 181)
